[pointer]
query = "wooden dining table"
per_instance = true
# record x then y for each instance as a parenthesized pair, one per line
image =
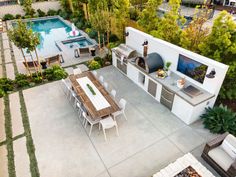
(87, 102)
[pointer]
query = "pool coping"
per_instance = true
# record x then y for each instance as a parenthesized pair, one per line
(66, 22)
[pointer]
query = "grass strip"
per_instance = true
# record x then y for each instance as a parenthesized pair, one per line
(29, 140)
(9, 142)
(3, 143)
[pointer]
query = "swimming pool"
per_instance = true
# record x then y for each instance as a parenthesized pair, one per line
(50, 30)
(77, 43)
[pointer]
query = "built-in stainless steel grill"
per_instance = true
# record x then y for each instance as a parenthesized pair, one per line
(124, 52)
(151, 63)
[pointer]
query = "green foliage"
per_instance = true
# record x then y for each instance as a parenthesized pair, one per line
(6, 84)
(91, 89)
(2, 93)
(55, 73)
(91, 32)
(167, 65)
(219, 120)
(113, 38)
(133, 13)
(22, 80)
(37, 80)
(18, 16)
(99, 60)
(94, 65)
(27, 7)
(51, 12)
(41, 13)
(168, 27)
(148, 18)
(8, 17)
(220, 45)
(196, 27)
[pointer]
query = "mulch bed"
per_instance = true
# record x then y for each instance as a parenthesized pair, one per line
(229, 103)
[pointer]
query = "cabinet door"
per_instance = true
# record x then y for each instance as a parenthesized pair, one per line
(182, 109)
(132, 73)
(123, 67)
(114, 59)
(152, 88)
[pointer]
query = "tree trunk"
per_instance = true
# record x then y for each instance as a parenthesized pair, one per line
(40, 69)
(87, 11)
(27, 66)
(99, 41)
(34, 64)
(108, 40)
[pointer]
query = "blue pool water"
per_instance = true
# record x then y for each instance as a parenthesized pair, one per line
(78, 43)
(50, 30)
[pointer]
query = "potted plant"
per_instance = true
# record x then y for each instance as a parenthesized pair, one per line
(43, 63)
(167, 66)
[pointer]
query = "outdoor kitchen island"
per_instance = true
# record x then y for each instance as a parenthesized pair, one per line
(143, 55)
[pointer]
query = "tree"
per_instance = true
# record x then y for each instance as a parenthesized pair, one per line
(168, 27)
(220, 45)
(27, 7)
(24, 38)
(195, 33)
(148, 18)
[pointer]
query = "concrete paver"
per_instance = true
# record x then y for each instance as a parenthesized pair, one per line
(82, 67)
(0, 56)
(17, 125)
(5, 44)
(21, 157)
(4, 36)
(1, 71)
(3, 161)
(2, 121)
(10, 71)
(145, 145)
(69, 70)
(7, 56)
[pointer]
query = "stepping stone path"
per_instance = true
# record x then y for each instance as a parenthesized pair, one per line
(2, 122)
(22, 164)
(16, 119)
(3, 161)
(69, 70)
(7, 56)
(10, 71)
(82, 67)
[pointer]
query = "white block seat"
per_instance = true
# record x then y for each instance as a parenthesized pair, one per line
(105, 85)
(101, 79)
(122, 105)
(94, 73)
(88, 119)
(113, 93)
(108, 123)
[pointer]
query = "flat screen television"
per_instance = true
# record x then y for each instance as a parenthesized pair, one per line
(192, 68)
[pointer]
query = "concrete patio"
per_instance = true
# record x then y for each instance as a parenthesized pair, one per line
(149, 140)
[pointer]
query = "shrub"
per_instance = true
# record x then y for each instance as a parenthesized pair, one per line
(18, 16)
(6, 84)
(2, 93)
(220, 119)
(99, 60)
(8, 17)
(41, 13)
(80, 24)
(21, 80)
(133, 13)
(64, 14)
(37, 80)
(113, 38)
(91, 32)
(51, 12)
(94, 65)
(55, 73)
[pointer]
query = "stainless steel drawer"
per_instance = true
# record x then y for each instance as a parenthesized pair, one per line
(167, 94)
(166, 102)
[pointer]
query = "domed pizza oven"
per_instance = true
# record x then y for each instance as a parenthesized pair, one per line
(151, 63)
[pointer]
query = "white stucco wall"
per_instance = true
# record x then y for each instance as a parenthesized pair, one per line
(17, 9)
(170, 52)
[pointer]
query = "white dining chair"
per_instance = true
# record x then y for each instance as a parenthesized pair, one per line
(66, 88)
(80, 110)
(94, 73)
(113, 93)
(77, 71)
(89, 120)
(101, 79)
(108, 123)
(122, 105)
(105, 85)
